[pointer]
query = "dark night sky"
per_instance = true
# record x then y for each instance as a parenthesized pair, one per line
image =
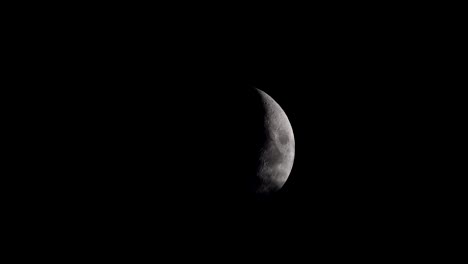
(349, 112)
(162, 123)
(184, 141)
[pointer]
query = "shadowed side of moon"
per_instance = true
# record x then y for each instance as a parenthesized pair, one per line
(277, 154)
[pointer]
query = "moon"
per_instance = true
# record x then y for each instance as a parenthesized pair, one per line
(277, 153)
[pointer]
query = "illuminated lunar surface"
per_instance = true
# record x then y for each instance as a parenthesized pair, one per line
(277, 154)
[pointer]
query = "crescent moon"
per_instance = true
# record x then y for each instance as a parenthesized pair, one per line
(277, 154)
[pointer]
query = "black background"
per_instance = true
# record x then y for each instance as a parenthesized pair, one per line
(156, 122)
(171, 151)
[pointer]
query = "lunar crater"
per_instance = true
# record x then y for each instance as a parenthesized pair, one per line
(283, 138)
